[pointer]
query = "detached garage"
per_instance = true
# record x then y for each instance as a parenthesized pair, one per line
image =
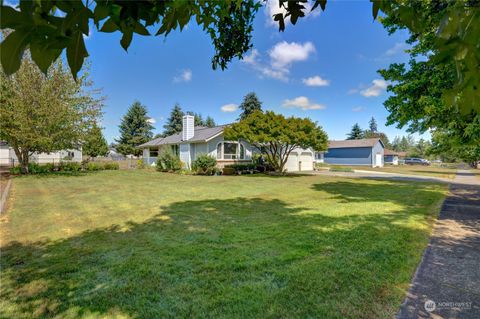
(300, 160)
(364, 152)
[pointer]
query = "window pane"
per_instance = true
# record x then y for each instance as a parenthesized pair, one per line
(242, 152)
(230, 148)
(153, 153)
(219, 151)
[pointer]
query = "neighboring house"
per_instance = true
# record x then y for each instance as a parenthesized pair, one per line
(8, 157)
(390, 157)
(196, 140)
(114, 155)
(365, 152)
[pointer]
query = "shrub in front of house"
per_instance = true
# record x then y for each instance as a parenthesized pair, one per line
(168, 162)
(93, 166)
(34, 168)
(111, 166)
(243, 168)
(70, 167)
(204, 164)
(140, 164)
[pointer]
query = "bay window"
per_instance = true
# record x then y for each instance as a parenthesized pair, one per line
(230, 151)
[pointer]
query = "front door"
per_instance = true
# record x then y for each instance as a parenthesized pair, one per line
(378, 160)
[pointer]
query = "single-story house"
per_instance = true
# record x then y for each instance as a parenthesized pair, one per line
(196, 140)
(8, 157)
(364, 152)
(390, 157)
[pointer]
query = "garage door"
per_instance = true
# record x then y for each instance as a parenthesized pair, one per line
(292, 162)
(306, 159)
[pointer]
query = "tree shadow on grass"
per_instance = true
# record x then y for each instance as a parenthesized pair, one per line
(240, 257)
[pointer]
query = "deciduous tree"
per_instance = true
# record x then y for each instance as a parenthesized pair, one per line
(44, 113)
(277, 136)
(49, 27)
(135, 129)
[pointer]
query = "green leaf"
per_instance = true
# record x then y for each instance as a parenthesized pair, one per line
(76, 53)
(10, 18)
(109, 26)
(321, 3)
(140, 29)
(126, 39)
(375, 8)
(12, 49)
(43, 56)
(101, 12)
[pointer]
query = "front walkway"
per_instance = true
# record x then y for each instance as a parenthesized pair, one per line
(447, 281)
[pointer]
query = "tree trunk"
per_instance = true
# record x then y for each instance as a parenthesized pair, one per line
(23, 158)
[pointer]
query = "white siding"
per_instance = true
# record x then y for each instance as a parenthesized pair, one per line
(185, 155)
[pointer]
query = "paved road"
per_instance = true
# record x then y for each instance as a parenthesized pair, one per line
(447, 281)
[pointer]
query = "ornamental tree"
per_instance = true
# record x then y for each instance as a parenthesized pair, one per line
(276, 136)
(45, 113)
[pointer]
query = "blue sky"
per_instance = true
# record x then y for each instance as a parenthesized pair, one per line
(323, 68)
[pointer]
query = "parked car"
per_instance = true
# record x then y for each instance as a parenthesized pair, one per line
(416, 161)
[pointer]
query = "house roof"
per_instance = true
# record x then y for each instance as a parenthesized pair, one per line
(390, 152)
(200, 134)
(367, 142)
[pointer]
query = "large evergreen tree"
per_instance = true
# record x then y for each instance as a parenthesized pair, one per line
(373, 125)
(135, 129)
(174, 122)
(95, 144)
(209, 122)
(356, 133)
(250, 104)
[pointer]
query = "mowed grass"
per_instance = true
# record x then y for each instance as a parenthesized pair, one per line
(430, 171)
(142, 244)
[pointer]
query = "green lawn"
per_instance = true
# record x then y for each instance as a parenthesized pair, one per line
(431, 171)
(141, 244)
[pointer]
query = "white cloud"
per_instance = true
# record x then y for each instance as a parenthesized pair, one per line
(315, 81)
(397, 48)
(358, 109)
(251, 58)
(272, 7)
(152, 120)
(282, 56)
(184, 76)
(228, 108)
(377, 87)
(302, 102)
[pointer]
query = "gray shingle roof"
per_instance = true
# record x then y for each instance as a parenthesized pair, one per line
(201, 134)
(367, 142)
